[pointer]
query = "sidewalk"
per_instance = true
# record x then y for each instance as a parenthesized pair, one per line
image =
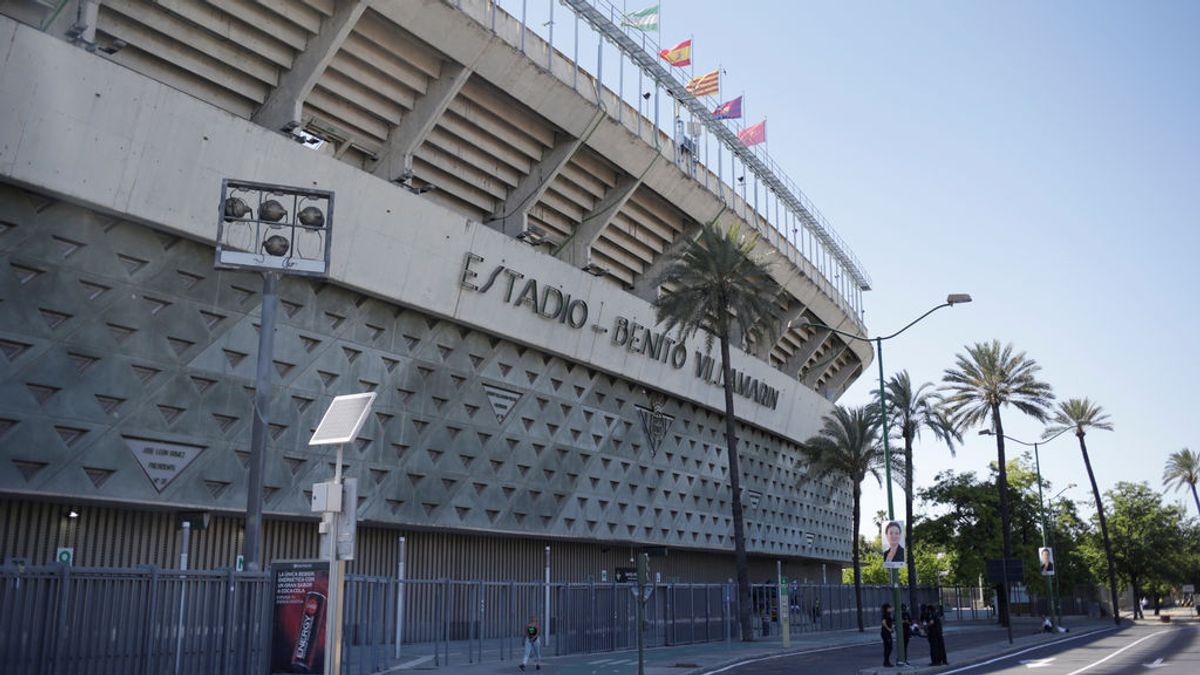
(705, 657)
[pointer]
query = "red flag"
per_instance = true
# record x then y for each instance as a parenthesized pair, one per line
(754, 135)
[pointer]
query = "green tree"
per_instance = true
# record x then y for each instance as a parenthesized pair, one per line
(967, 516)
(911, 412)
(1082, 415)
(1146, 538)
(848, 446)
(714, 285)
(1183, 468)
(990, 377)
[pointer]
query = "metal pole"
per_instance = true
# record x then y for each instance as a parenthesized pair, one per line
(887, 470)
(1037, 463)
(546, 623)
(400, 598)
(333, 630)
(183, 565)
(258, 433)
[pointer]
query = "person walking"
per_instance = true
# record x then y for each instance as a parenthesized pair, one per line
(886, 626)
(533, 643)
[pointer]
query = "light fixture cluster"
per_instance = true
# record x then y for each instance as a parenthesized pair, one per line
(274, 227)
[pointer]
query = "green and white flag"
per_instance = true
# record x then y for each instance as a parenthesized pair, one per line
(645, 20)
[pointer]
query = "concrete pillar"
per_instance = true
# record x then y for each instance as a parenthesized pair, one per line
(513, 215)
(396, 156)
(283, 106)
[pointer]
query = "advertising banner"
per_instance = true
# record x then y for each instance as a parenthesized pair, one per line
(298, 625)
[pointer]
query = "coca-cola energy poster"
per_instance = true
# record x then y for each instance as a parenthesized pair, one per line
(298, 627)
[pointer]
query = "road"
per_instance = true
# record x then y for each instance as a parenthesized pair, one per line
(850, 658)
(1150, 650)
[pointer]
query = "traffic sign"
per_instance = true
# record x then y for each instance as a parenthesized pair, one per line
(65, 556)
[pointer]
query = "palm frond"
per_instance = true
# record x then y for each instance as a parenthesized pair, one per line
(991, 376)
(1183, 468)
(1079, 414)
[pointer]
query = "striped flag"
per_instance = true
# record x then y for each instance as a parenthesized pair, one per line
(645, 20)
(729, 110)
(706, 84)
(679, 55)
(754, 135)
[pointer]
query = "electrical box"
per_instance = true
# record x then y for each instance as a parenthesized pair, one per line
(327, 497)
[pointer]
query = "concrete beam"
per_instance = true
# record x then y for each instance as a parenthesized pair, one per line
(837, 384)
(796, 361)
(513, 215)
(577, 249)
(645, 285)
(762, 348)
(396, 156)
(818, 369)
(283, 106)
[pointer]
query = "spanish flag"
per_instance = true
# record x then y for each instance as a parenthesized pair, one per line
(679, 55)
(706, 84)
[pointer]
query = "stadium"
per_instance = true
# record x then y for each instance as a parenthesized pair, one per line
(502, 215)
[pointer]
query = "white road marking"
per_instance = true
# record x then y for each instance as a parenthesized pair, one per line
(1158, 663)
(1128, 646)
(1037, 663)
(1026, 651)
(596, 663)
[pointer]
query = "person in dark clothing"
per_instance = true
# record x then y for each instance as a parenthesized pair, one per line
(886, 626)
(937, 639)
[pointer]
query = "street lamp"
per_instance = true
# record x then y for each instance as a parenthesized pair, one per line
(1037, 463)
(951, 300)
(274, 230)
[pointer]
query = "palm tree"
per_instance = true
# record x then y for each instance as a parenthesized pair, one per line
(1081, 415)
(912, 411)
(988, 378)
(848, 446)
(1183, 468)
(715, 285)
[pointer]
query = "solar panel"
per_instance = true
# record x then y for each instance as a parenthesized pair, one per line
(343, 419)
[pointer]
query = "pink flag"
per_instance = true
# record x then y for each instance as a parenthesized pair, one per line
(754, 135)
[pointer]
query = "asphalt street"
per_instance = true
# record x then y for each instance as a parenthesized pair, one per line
(1148, 649)
(851, 658)
(1158, 649)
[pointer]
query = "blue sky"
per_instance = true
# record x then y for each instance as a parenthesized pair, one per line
(1042, 156)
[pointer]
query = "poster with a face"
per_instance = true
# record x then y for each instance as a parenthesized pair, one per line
(1046, 561)
(893, 544)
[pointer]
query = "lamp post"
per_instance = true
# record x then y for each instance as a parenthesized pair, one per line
(951, 300)
(274, 230)
(1055, 598)
(1037, 463)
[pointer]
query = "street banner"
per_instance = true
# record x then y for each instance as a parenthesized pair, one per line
(298, 625)
(892, 537)
(1046, 561)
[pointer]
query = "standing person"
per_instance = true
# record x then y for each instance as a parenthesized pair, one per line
(533, 642)
(886, 626)
(937, 639)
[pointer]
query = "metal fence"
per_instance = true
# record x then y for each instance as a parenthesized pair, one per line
(151, 621)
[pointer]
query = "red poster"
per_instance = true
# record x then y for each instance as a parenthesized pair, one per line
(298, 628)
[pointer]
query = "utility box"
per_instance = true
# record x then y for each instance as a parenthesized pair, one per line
(327, 497)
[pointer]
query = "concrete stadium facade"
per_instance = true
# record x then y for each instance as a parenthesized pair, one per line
(512, 384)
